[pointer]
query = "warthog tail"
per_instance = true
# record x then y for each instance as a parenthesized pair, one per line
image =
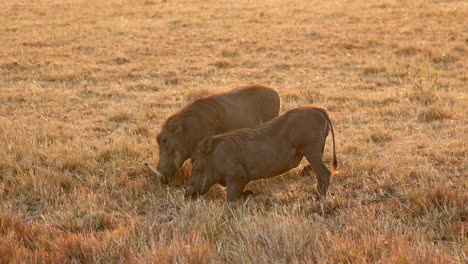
(335, 161)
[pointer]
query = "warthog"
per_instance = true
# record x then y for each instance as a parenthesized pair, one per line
(237, 157)
(243, 107)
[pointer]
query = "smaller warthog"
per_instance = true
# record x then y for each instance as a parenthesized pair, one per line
(234, 158)
(247, 106)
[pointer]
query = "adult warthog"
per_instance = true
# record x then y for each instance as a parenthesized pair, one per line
(243, 107)
(237, 157)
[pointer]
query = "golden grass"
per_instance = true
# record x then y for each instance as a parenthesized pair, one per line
(85, 86)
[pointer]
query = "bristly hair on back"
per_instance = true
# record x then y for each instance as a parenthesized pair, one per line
(237, 137)
(205, 109)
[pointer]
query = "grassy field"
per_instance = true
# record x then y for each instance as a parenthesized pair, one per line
(85, 86)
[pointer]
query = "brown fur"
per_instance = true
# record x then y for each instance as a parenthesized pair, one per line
(237, 157)
(247, 106)
(203, 110)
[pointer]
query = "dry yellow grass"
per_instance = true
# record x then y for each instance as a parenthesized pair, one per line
(85, 86)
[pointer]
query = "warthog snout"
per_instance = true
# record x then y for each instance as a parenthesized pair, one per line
(166, 171)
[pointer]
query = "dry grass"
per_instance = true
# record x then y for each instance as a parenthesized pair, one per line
(85, 86)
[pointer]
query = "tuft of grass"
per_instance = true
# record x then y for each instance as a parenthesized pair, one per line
(314, 35)
(407, 51)
(149, 3)
(445, 59)
(373, 43)
(291, 97)
(74, 162)
(66, 77)
(88, 222)
(171, 78)
(141, 131)
(65, 182)
(116, 151)
(229, 52)
(379, 137)
(222, 64)
(77, 248)
(433, 113)
(440, 199)
(121, 117)
(143, 87)
(373, 70)
(460, 49)
(14, 66)
(349, 46)
(425, 88)
(181, 252)
(121, 60)
(8, 250)
(352, 148)
(283, 67)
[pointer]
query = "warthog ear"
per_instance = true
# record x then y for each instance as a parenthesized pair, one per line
(206, 146)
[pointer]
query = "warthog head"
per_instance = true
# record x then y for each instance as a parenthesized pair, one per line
(203, 173)
(172, 151)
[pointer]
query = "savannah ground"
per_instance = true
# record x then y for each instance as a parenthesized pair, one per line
(86, 85)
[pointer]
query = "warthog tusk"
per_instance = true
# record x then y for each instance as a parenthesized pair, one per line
(158, 174)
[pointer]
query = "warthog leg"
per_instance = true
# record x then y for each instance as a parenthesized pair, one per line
(318, 167)
(323, 175)
(235, 190)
